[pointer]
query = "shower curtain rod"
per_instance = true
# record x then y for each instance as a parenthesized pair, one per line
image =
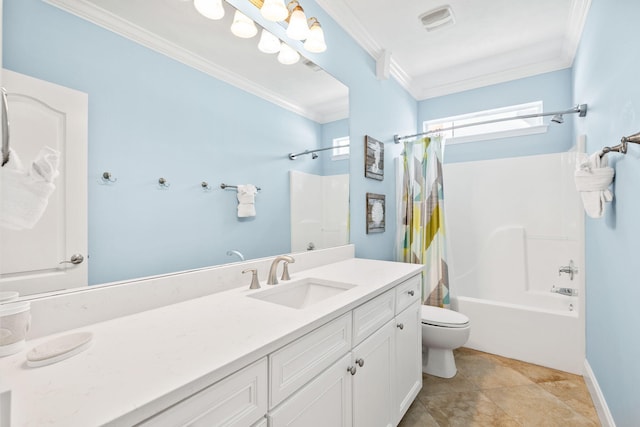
(581, 109)
(293, 156)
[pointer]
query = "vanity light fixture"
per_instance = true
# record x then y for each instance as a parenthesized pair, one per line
(211, 9)
(315, 42)
(288, 55)
(298, 28)
(243, 26)
(268, 42)
(274, 10)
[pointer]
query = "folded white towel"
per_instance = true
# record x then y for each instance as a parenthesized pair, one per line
(593, 178)
(246, 200)
(25, 194)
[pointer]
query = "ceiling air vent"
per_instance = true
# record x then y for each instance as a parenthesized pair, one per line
(437, 18)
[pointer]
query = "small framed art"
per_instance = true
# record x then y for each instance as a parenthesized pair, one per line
(373, 158)
(375, 213)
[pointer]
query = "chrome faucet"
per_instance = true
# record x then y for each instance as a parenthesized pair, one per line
(569, 269)
(272, 279)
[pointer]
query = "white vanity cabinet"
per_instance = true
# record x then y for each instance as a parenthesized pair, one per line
(373, 380)
(361, 369)
(239, 400)
(408, 358)
(374, 383)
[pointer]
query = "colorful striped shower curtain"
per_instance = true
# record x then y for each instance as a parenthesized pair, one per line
(421, 231)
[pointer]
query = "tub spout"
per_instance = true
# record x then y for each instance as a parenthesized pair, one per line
(570, 292)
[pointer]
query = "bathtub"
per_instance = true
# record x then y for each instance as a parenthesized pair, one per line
(510, 229)
(552, 336)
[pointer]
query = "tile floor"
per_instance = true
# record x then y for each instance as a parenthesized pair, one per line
(491, 391)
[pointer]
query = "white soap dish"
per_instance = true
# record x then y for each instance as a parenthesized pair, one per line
(58, 349)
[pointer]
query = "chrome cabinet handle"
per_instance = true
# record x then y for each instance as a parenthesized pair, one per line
(352, 370)
(400, 326)
(360, 362)
(75, 259)
(411, 293)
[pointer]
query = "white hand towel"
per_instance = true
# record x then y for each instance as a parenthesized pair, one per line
(246, 200)
(25, 194)
(593, 178)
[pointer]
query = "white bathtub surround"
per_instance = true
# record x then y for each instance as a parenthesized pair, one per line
(511, 228)
(165, 355)
(319, 210)
(593, 178)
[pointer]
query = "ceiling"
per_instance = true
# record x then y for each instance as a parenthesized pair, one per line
(490, 42)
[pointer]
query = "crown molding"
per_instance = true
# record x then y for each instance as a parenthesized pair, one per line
(105, 19)
(346, 18)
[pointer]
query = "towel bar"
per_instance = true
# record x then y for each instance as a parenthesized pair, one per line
(223, 186)
(622, 147)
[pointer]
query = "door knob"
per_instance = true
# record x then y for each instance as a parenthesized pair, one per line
(75, 259)
(352, 370)
(360, 362)
(400, 326)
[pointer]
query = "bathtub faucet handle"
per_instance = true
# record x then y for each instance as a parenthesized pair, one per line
(570, 269)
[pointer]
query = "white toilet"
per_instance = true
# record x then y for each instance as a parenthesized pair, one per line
(442, 331)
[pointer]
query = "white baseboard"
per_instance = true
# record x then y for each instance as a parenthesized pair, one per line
(606, 419)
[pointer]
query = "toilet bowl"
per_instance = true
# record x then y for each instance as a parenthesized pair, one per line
(443, 331)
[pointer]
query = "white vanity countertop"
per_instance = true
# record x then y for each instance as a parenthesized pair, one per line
(142, 363)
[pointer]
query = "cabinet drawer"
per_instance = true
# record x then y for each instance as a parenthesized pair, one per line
(370, 316)
(296, 364)
(408, 292)
(238, 400)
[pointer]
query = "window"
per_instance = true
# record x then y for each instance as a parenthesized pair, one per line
(340, 148)
(498, 129)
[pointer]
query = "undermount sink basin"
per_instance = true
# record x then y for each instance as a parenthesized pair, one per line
(303, 293)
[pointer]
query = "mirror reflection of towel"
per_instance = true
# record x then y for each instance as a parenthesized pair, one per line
(246, 200)
(25, 193)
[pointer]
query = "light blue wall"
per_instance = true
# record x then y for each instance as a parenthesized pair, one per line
(554, 89)
(606, 77)
(154, 117)
(136, 229)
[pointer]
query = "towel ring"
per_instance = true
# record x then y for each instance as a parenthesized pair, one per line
(5, 127)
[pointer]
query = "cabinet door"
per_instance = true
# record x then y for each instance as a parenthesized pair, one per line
(408, 355)
(325, 401)
(373, 382)
(238, 400)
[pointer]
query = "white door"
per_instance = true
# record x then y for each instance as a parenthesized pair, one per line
(408, 350)
(324, 402)
(44, 114)
(373, 381)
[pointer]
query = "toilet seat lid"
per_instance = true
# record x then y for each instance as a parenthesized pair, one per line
(443, 317)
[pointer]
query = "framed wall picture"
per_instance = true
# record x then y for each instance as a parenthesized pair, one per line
(373, 158)
(375, 213)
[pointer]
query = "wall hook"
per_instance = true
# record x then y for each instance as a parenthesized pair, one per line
(205, 186)
(163, 183)
(107, 178)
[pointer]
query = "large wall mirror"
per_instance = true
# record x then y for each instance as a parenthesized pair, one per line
(168, 94)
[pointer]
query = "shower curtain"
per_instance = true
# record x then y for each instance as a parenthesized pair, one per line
(421, 231)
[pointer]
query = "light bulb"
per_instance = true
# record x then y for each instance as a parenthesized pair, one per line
(297, 29)
(211, 9)
(243, 26)
(287, 55)
(268, 42)
(274, 10)
(315, 42)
